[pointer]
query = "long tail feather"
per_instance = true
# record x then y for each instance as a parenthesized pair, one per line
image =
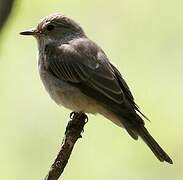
(153, 145)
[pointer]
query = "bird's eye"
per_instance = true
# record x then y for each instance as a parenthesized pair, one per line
(50, 27)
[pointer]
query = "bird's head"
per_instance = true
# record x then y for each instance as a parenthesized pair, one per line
(55, 27)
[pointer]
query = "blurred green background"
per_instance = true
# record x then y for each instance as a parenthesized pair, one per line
(145, 39)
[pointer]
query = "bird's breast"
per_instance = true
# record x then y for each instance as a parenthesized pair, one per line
(71, 97)
(65, 94)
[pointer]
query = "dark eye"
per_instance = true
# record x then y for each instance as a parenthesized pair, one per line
(50, 27)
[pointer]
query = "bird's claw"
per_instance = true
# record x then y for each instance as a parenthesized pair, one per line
(86, 119)
(72, 114)
(76, 115)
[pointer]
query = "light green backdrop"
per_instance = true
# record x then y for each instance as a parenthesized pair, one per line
(145, 39)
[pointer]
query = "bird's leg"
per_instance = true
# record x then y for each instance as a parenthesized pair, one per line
(77, 119)
(71, 123)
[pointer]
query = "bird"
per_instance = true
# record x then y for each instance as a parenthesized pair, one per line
(78, 75)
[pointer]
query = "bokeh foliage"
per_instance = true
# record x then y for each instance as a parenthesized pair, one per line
(145, 39)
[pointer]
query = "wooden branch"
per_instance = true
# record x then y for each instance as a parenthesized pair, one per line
(5, 9)
(73, 131)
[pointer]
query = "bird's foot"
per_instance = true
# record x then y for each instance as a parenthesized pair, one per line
(73, 114)
(77, 119)
(78, 115)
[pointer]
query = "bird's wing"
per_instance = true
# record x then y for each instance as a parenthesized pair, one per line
(126, 90)
(84, 65)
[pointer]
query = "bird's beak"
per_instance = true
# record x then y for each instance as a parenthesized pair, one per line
(30, 32)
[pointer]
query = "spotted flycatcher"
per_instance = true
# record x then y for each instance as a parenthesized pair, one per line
(78, 75)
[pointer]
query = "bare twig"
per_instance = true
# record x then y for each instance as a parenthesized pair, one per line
(73, 132)
(5, 9)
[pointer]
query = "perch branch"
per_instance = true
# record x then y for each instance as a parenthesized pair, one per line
(73, 131)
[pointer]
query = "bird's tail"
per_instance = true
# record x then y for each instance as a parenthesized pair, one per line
(153, 145)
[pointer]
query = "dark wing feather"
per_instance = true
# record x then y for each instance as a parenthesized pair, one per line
(69, 64)
(126, 90)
